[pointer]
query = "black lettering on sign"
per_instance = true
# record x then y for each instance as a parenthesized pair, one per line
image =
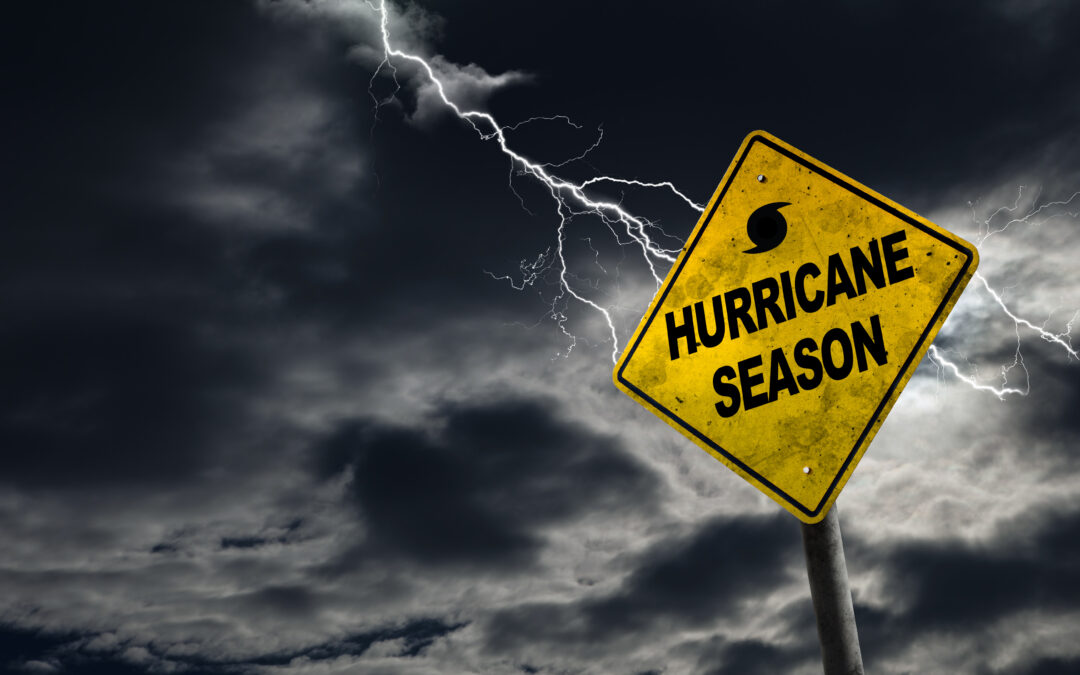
(766, 294)
(839, 281)
(840, 351)
(806, 360)
(836, 336)
(710, 339)
(684, 330)
(864, 267)
(749, 381)
(864, 343)
(789, 296)
(724, 388)
(809, 306)
(894, 256)
(738, 312)
(775, 299)
(780, 376)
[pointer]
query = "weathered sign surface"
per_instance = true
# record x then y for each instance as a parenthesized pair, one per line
(795, 314)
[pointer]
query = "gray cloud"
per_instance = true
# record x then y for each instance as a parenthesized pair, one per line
(477, 488)
(90, 394)
(89, 654)
(679, 583)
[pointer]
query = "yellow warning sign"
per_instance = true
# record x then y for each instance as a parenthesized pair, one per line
(792, 319)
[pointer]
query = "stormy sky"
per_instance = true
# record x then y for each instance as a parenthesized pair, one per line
(289, 383)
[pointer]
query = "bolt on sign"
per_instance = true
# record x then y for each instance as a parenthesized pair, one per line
(794, 316)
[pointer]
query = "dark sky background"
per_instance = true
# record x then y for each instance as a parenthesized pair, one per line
(267, 408)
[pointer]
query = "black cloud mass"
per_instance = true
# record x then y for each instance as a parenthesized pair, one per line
(479, 490)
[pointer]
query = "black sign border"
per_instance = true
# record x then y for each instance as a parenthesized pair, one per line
(823, 171)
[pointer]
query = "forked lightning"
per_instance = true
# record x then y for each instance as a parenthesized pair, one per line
(570, 199)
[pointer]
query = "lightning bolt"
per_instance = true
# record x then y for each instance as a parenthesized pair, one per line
(986, 230)
(1062, 339)
(571, 199)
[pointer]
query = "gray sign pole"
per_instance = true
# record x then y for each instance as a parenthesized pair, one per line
(827, 570)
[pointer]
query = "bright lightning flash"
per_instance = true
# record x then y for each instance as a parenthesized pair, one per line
(1062, 339)
(571, 199)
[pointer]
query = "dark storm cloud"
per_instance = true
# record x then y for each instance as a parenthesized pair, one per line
(1050, 666)
(255, 541)
(1044, 428)
(100, 397)
(477, 489)
(286, 600)
(416, 636)
(243, 542)
(425, 261)
(724, 563)
(107, 378)
(907, 97)
(680, 581)
(129, 322)
(756, 657)
(1055, 415)
(31, 651)
(167, 213)
(794, 645)
(936, 588)
(959, 589)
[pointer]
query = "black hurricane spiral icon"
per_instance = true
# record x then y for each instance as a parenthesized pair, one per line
(766, 227)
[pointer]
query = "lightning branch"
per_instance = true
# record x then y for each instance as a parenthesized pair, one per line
(571, 199)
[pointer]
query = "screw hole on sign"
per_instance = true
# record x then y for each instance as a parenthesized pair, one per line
(761, 178)
(806, 469)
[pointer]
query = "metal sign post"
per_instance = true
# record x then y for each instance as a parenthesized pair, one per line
(827, 570)
(783, 335)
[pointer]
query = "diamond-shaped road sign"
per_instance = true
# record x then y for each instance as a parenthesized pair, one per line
(797, 311)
